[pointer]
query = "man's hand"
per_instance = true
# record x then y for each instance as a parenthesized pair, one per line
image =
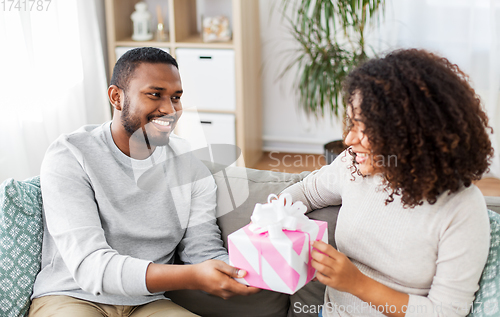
(212, 276)
(216, 277)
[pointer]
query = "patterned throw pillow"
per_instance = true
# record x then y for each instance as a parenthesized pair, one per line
(487, 301)
(21, 230)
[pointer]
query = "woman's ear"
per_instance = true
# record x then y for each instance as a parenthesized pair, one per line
(114, 95)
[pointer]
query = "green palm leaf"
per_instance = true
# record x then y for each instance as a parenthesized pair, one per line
(323, 62)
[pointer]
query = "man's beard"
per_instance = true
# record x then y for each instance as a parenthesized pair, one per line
(135, 130)
(131, 125)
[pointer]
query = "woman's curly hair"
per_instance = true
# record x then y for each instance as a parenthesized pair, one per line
(420, 108)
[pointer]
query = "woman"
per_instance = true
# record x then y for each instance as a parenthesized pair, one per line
(413, 231)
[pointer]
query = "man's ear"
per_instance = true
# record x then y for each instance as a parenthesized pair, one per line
(114, 95)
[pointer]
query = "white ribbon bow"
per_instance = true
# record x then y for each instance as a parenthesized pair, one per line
(279, 214)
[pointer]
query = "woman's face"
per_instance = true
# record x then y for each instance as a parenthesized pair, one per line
(357, 139)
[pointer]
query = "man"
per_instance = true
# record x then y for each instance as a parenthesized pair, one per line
(122, 198)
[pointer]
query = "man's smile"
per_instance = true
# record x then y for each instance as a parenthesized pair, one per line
(163, 124)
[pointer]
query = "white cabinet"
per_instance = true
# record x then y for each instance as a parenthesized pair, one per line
(208, 82)
(208, 78)
(213, 130)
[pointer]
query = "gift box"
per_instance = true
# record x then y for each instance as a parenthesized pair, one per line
(275, 249)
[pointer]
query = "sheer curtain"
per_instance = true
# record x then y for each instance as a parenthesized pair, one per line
(465, 31)
(52, 80)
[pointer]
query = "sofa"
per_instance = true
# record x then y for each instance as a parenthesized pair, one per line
(239, 189)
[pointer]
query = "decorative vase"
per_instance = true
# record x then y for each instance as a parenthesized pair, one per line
(333, 149)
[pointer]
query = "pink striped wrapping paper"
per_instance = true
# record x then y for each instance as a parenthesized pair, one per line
(279, 264)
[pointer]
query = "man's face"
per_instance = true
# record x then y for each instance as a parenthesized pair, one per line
(152, 103)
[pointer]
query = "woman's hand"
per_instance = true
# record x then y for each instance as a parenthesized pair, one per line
(335, 269)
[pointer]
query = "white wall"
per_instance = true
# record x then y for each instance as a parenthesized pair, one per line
(466, 32)
(285, 127)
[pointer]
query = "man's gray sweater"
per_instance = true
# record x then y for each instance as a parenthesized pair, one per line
(108, 216)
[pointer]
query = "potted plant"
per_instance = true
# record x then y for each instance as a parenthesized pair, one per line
(331, 37)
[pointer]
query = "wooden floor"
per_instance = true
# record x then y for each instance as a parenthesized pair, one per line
(296, 163)
(290, 162)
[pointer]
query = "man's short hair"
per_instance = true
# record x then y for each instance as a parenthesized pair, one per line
(128, 62)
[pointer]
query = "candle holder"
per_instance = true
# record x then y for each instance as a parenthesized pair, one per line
(141, 19)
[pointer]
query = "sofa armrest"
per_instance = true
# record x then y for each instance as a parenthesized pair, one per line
(493, 203)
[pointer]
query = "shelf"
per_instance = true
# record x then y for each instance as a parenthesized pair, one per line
(209, 111)
(196, 41)
(191, 42)
(130, 42)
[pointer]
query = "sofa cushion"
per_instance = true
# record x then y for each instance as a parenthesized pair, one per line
(21, 233)
(487, 301)
(240, 188)
(493, 203)
(262, 304)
